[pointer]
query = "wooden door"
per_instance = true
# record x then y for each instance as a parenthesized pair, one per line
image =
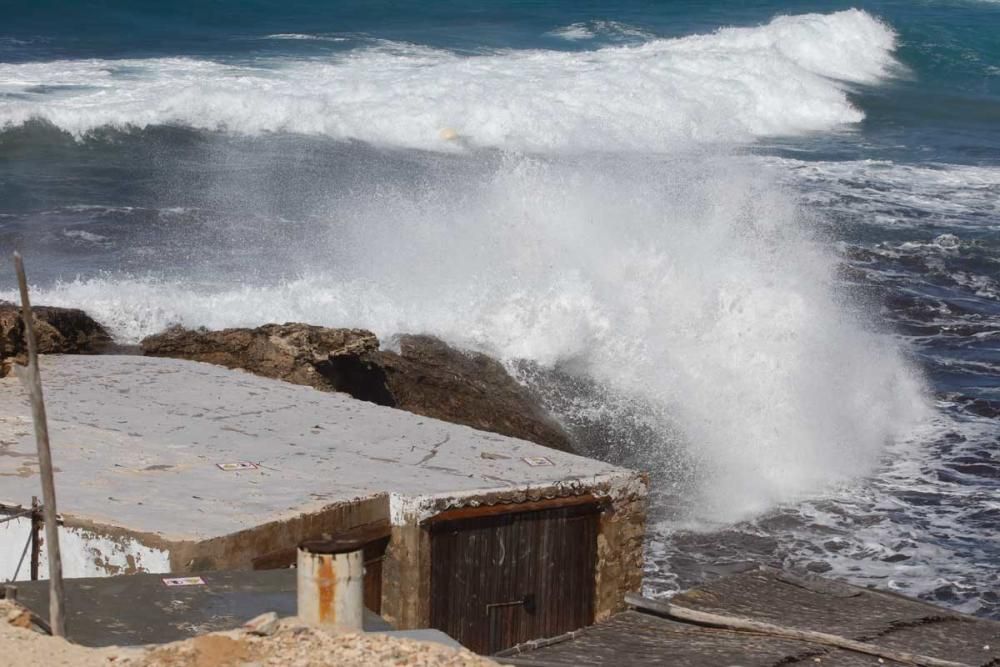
(503, 579)
(374, 556)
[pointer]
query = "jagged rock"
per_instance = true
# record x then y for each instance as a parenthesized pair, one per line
(429, 377)
(426, 377)
(19, 618)
(287, 352)
(264, 625)
(983, 408)
(58, 330)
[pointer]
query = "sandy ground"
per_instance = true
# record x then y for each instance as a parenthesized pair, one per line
(292, 645)
(19, 645)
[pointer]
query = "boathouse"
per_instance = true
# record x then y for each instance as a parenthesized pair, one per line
(171, 466)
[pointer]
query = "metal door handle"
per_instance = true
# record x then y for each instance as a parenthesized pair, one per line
(528, 602)
(513, 603)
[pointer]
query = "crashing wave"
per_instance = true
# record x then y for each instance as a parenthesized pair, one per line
(787, 77)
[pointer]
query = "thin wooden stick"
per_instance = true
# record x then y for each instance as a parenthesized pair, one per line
(35, 542)
(20, 561)
(518, 661)
(32, 380)
(747, 625)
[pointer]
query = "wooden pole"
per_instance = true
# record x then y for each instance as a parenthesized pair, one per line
(32, 380)
(758, 627)
(36, 547)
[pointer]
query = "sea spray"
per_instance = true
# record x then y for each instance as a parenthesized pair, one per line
(692, 284)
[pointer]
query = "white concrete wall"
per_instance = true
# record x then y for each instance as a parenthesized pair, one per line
(13, 536)
(84, 553)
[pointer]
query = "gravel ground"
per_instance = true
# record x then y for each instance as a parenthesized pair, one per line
(290, 645)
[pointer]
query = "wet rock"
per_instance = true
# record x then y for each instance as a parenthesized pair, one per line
(985, 469)
(835, 545)
(58, 331)
(426, 376)
(945, 593)
(818, 567)
(984, 408)
(896, 558)
(429, 377)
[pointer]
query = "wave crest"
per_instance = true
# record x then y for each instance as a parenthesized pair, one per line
(613, 30)
(786, 77)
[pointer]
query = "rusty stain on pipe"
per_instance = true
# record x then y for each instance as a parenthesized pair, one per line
(331, 587)
(326, 587)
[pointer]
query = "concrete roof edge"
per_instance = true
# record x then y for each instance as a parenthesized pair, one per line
(404, 509)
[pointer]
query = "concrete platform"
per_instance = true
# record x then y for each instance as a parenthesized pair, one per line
(141, 609)
(138, 443)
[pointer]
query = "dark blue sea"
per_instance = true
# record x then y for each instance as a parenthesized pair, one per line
(752, 247)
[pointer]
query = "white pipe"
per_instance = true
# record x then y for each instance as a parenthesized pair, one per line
(331, 587)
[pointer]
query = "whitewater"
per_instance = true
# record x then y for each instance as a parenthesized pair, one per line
(733, 85)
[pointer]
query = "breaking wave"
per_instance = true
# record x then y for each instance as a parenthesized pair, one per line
(787, 77)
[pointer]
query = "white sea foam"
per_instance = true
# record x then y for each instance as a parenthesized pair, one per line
(89, 208)
(912, 529)
(574, 32)
(84, 235)
(952, 194)
(295, 36)
(691, 283)
(786, 77)
(593, 29)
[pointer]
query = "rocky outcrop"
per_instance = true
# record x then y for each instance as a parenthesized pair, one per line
(426, 376)
(290, 352)
(58, 330)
